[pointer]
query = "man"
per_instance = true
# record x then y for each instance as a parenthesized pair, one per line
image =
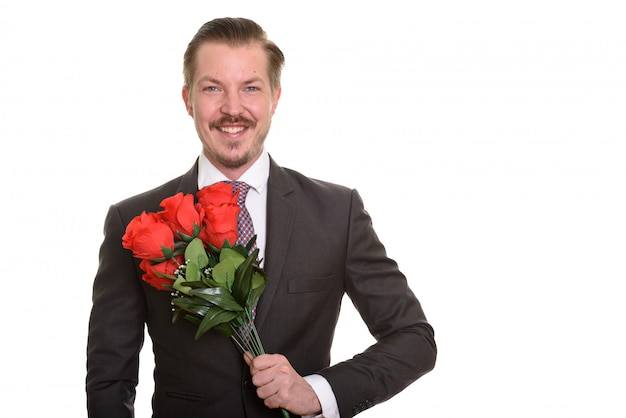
(316, 241)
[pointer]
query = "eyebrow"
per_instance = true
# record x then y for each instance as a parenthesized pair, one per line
(210, 79)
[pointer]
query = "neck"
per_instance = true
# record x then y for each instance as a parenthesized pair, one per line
(232, 172)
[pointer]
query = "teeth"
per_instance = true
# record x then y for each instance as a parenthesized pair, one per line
(232, 130)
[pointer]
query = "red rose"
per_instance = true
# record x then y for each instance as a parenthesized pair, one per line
(216, 194)
(181, 213)
(146, 234)
(220, 214)
(153, 271)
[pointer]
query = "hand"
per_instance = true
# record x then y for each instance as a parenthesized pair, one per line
(280, 386)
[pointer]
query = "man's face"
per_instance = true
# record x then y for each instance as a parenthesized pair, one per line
(231, 103)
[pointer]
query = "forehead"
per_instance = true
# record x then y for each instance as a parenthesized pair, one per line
(222, 61)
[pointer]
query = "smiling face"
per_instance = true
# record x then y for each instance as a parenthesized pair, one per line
(231, 102)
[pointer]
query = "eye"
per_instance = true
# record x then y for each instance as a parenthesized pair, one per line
(252, 88)
(209, 88)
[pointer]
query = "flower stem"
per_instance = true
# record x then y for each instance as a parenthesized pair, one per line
(248, 341)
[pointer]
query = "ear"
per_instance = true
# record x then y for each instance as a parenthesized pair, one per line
(276, 97)
(187, 100)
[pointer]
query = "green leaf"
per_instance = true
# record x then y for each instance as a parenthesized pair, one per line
(213, 317)
(167, 252)
(193, 305)
(193, 285)
(225, 329)
(192, 272)
(224, 273)
(218, 296)
(179, 284)
(167, 276)
(196, 253)
(231, 254)
(186, 238)
(243, 279)
(259, 282)
(178, 313)
(193, 319)
(259, 279)
(209, 282)
(250, 244)
(241, 250)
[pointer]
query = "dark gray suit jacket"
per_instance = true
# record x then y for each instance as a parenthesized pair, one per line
(320, 245)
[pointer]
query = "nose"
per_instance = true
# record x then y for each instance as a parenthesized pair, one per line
(232, 104)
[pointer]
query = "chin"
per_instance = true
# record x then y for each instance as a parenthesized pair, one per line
(234, 161)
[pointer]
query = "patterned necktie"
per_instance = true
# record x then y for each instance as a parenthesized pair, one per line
(245, 228)
(245, 231)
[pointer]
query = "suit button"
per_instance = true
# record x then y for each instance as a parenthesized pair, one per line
(248, 384)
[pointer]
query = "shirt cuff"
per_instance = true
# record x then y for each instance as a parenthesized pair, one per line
(326, 396)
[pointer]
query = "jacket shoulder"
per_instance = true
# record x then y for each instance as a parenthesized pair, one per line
(150, 200)
(301, 182)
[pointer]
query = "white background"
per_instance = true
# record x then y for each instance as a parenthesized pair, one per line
(504, 122)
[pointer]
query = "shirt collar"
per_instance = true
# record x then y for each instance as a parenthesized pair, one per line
(256, 176)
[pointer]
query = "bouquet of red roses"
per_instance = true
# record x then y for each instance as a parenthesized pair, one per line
(189, 249)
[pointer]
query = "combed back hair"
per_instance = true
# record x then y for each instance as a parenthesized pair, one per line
(234, 32)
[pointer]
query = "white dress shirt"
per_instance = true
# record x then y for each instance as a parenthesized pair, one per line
(256, 203)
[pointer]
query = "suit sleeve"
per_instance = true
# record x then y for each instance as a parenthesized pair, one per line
(116, 327)
(405, 347)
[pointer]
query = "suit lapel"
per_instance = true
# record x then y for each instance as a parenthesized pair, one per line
(281, 213)
(189, 180)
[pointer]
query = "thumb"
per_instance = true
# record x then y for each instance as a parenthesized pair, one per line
(248, 357)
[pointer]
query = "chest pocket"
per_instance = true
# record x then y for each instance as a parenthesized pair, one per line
(312, 284)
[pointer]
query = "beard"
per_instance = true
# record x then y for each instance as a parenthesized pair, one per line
(231, 158)
(238, 161)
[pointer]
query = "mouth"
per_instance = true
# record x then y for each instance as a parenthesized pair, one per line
(232, 126)
(232, 129)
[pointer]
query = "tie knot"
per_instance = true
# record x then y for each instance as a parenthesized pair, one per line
(242, 188)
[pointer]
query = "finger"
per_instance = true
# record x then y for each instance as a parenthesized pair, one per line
(263, 361)
(248, 357)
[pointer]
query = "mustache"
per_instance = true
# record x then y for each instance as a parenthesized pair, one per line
(228, 120)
